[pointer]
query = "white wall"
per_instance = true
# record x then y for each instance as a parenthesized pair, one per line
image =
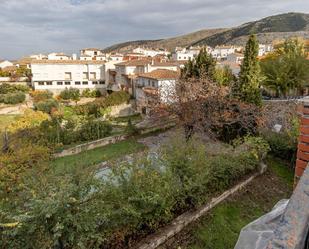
(49, 76)
(4, 64)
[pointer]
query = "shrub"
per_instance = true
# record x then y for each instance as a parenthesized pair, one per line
(70, 94)
(282, 145)
(39, 96)
(29, 119)
(131, 128)
(93, 130)
(10, 88)
(13, 98)
(95, 108)
(87, 93)
(78, 209)
(46, 105)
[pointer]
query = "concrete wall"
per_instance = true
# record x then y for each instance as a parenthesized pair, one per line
(90, 145)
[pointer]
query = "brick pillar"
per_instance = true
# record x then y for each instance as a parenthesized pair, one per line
(303, 141)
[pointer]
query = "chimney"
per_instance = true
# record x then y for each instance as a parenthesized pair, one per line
(303, 141)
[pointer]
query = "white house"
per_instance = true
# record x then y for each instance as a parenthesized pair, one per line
(150, 52)
(265, 49)
(5, 63)
(221, 52)
(127, 71)
(115, 57)
(155, 88)
(58, 56)
(56, 75)
(93, 52)
(185, 54)
(235, 58)
(38, 57)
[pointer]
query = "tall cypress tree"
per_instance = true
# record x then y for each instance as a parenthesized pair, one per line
(248, 86)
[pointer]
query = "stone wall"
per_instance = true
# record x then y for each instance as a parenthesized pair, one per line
(122, 110)
(90, 145)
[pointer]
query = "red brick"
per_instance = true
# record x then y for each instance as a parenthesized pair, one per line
(303, 138)
(305, 121)
(304, 130)
(301, 164)
(303, 155)
(299, 171)
(303, 147)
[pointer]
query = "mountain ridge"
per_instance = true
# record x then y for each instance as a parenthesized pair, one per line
(268, 29)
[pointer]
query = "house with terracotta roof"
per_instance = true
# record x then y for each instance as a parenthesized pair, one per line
(56, 75)
(127, 71)
(154, 88)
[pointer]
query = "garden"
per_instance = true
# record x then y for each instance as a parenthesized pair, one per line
(75, 202)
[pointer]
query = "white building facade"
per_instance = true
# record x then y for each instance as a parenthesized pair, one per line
(5, 63)
(58, 75)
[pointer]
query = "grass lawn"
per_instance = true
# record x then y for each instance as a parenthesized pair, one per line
(220, 228)
(6, 120)
(98, 155)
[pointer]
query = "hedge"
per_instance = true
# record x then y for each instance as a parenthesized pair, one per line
(79, 208)
(46, 105)
(12, 98)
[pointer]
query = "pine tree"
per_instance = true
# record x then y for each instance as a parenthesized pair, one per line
(202, 65)
(247, 88)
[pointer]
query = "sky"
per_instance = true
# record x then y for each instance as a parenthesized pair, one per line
(43, 26)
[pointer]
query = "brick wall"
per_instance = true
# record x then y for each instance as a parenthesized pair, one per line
(303, 142)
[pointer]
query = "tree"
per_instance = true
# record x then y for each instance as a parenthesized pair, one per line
(224, 76)
(286, 68)
(203, 65)
(247, 88)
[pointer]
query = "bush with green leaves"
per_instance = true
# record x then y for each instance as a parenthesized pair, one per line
(93, 108)
(87, 93)
(282, 144)
(39, 96)
(13, 88)
(70, 94)
(93, 130)
(46, 106)
(12, 98)
(78, 208)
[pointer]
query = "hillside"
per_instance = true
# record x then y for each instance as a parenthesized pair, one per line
(267, 29)
(169, 43)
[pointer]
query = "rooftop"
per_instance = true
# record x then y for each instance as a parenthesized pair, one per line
(134, 63)
(160, 74)
(67, 62)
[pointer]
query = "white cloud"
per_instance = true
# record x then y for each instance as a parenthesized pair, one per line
(30, 26)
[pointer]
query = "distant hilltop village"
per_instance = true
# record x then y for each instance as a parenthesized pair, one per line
(138, 71)
(115, 71)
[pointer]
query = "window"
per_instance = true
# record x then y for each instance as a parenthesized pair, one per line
(153, 84)
(67, 76)
(85, 82)
(49, 83)
(94, 82)
(67, 83)
(77, 82)
(93, 75)
(102, 82)
(59, 83)
(85, 76)
(41, 83)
